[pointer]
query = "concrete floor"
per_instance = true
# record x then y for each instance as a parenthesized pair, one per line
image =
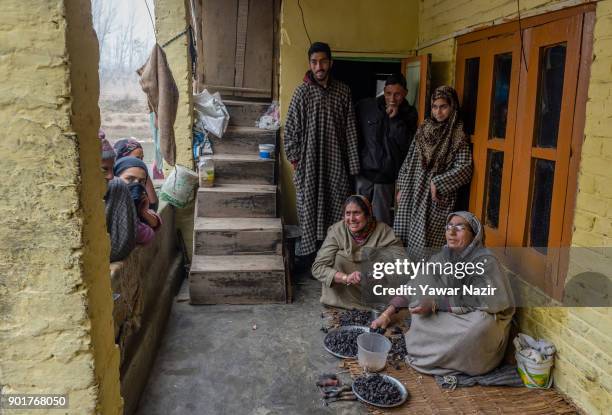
(211, 361)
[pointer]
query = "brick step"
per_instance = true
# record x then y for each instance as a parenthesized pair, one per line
(238, 236)
(245, 113)
(243, 140)
(237, 201)
(243, 168)
(237, 279)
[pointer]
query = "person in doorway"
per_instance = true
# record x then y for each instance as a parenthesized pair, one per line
(338, 261)
(130, 147)
(108, 156)
(321, 144)
(119, 209)
(461, 333)
(134, 173)
(438, 163)
(386, 128)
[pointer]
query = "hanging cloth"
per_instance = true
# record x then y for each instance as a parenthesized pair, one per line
(158, 83)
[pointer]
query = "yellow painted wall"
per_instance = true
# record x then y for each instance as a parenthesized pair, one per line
(583, 336)
(55, 297)
(360, 27)
(170, 20)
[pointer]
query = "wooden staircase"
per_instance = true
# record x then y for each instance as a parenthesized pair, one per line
(238, 238)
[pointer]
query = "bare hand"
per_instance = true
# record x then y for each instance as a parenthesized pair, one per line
(143, 204)
(354, 278)
(294, 165)
(434, 192)
(397, 197)
(424, 308)
(382, 321)
(392, 110)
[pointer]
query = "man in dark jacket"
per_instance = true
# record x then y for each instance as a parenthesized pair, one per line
(386, 128)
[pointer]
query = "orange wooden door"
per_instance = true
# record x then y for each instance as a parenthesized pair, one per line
(546, 104)
(492, 126)
(467, 84)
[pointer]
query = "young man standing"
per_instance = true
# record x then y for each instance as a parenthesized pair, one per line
(320, 141)
(387, 125)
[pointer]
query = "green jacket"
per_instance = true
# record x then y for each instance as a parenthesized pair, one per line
(339, 252)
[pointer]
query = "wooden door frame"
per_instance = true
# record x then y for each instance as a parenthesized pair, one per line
(559, 267)
(538, 267)
(424, 68)
(515, 25)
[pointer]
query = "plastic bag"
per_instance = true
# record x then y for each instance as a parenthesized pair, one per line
(270, 120)
(178, 187)
(211, 114)
(202, 145)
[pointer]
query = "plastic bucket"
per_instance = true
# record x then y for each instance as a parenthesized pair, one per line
(535, 375)
(372, 351)
(266, 151)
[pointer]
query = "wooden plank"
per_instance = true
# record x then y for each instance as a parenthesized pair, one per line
(237, 243)
(276, 54)
(238, 236)
(243, 140)
(240, 188)
(259, 53)
(243, 168)
(238, 224)
(249, 279)
(196, 24)
(231, 201)
(241, 40)
(237, 287)
(219, 31)
(244, 113)
(232, 263)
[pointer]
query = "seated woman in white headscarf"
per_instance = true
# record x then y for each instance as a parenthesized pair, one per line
(342, 254)
(459, 333)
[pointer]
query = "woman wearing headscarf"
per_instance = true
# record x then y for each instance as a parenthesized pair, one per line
(130, 147)
(134, 173)
(439, 162)
(120, 212)
(466, 331)
(339, 259)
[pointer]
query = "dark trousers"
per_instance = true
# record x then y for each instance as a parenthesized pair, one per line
(380, 195)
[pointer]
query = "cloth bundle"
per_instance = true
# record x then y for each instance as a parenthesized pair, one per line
(538, 351)
(506, 375)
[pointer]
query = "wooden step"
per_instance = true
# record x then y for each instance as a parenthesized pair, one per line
(243, 168)
(237, 201)
(245, 113)
(238, 236)
(243, 140)
(237, 279)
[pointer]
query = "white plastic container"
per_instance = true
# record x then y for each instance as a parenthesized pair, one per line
(372, 351)
(206, 170)
(266, 151)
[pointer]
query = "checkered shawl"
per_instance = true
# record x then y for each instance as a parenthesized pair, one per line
(321, 137)
(419, 221)
(121, 219)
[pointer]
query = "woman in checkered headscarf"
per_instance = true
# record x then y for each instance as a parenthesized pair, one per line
(439, 162)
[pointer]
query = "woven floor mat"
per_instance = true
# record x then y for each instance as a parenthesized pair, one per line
(426, 397)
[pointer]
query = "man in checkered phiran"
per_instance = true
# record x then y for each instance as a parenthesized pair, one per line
(320, 141)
